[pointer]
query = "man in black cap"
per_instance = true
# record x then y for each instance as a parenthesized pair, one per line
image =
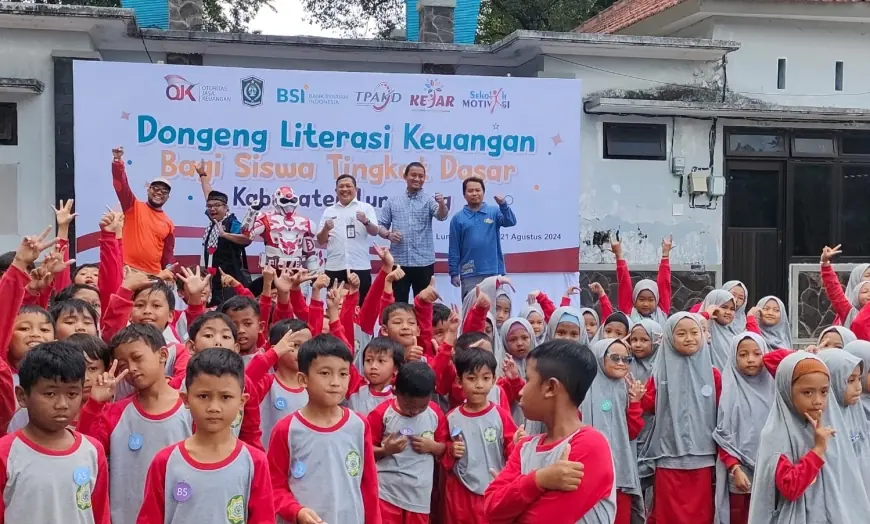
(223, 245)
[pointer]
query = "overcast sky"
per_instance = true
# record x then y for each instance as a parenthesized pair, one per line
(289, 20)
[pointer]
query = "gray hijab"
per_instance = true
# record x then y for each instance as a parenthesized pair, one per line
(845, 333)
(617, 316)
(658, 315)
(556, 318)
(855, 427)
(498, 344)
(838, 493)
(604, 409)
(721, 335)
(854, 298)
(527, 312)
(777, 336)
(856, 277)
(861, 349)
(583, 311)
(740, 312)
(532, 427)
(743, 409)
(685, 415)
(642, 370)
(491, 287)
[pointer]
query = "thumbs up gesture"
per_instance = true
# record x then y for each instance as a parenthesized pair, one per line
(458, 447)
(429, 294)
(563, 475)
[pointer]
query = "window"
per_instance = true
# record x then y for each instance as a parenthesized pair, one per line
(855, 143)
(854, 218)
(756, 203)
(635, 141)
(8, 124)
(811, 208)
(838, 76)
(814, 146)
(757, 145)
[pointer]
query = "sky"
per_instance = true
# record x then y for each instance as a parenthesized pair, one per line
(289, 20)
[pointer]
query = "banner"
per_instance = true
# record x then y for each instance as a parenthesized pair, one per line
(257, 130)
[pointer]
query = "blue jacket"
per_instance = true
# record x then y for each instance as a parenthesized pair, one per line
(473, 235)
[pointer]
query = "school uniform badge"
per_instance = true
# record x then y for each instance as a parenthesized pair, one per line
(428, 434)
(236, 510)
(490, 435)
(353, 463)
(83, 496)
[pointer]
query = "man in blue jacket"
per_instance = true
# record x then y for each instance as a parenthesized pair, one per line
(475, 239)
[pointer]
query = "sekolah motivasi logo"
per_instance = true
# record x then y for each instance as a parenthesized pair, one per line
(180, 89)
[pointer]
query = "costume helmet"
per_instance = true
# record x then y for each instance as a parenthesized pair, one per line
(285, 200)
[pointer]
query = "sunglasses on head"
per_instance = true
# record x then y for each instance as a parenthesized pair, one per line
(625, 359)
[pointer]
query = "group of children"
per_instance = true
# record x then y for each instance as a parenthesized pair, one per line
(120, 407)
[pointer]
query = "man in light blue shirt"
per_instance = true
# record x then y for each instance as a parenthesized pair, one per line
(475, 237)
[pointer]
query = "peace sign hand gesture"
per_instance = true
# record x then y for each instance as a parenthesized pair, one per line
(107, 383)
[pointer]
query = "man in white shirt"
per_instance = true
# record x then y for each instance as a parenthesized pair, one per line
(344, 230)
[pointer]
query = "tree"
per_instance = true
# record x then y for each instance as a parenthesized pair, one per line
(226, 16)
(498, 18)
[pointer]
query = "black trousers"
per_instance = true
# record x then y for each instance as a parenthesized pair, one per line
(365, 280)
(417, 278)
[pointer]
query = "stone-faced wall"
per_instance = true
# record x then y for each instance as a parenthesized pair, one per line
(185, 15)
(814, 311)
(436, 24)
(687, 287)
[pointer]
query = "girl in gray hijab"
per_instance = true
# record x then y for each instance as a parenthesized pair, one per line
(723, 326)
(591, 321)
(773, 322)
(836, 337)
(614, 409)
(682, 393)
(535, 315)
(845, 396)
(518, 340)
(747, 396)
(740, 293)
(802, 474)
(646, 299)
(617, 325)
(861, 349)
(645, 339)
(567, 322)
(841, 301)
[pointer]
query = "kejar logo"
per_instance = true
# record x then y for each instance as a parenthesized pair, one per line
(487, 100)
(252, 91)
(379, 98)
(433, 99)
(180, 89)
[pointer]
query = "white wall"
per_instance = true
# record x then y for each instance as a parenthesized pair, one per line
(28, 54)
(810, 49)
(638, 197)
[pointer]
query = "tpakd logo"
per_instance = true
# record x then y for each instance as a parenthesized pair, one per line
(179, 88)
(379, 98)
(252, 91)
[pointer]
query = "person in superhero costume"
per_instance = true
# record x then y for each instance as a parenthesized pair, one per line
(288, 237)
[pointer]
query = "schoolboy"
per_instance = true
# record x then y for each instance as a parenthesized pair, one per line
(214, 329)
(134, 429)
(440, 324)
(329, 445)
(482, 437)
(245, 314)
(49, 472)
(382, 360)
(73, 316)
(86, 292)
(211, 476)
(409, 432)
(97, 359)
(87, 274)
(541, 481)
(279, 393)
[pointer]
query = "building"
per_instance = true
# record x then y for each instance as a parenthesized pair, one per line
(663, 107)
(796, 149)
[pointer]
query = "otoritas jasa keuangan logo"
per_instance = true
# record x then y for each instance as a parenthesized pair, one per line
(180, 89)
(433, 99)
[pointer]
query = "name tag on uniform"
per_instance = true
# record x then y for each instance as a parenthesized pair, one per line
(351, 231)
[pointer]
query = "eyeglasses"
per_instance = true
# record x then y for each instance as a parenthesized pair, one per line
(159, 190)
(616, 359)
(215, 206)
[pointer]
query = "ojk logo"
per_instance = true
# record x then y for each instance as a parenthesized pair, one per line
(179, 88)
(252, 91)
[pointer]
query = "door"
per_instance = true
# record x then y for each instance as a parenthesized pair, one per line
(753, 216)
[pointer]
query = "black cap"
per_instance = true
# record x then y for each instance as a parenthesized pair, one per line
(217, 195)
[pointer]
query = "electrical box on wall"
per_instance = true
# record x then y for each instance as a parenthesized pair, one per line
(716, 186)
(697, 183)
(678, 165)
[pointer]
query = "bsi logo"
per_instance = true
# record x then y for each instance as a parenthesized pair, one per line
(252, 91)
(379, 98)
(179, 88)
(291, 96)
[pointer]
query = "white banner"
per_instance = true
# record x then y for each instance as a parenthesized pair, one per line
(257, 130)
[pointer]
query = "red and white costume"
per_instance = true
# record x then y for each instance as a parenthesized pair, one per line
(288, 237)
